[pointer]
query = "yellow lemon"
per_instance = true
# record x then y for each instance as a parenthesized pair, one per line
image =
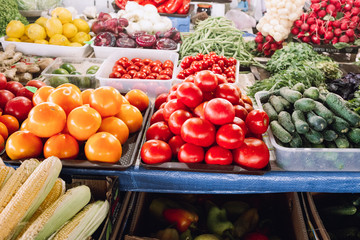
(63, 14)
(13, 40)
(15, 29)
(81, 25)
(75, 44)
(53, 26)
(41, 21)
(69, 30)
(59, 39)
(81, 37)
(36, 32)
(42, 41)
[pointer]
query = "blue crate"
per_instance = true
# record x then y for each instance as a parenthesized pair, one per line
(181, 23)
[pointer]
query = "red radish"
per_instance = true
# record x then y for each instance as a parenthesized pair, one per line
(329, 35)
(350, 33)
(344, 39)
(355, 19)
(273, 46)
(334, 14)
(259, 47)
(266, 46)
(353, 25)
(326, 41)
(304, 17)
(315, 39)
(313, 28)
(301, 34)
(321, 30)
(329, 29)
(267, 52)
(315, 1)
(258, 39)
(347, 15)
(335, 40)
(312, 14)
(337, 32)
(269, 38)
(259, 33)
(357, 3)
(305, 27)
(355, 11)
(347, 7)
(295, 31)
(298, 23)
(352, 39)
(323, 4)
(322, 13)
(306, 39)
(330, 8)
(316, 7)
(311, 20)
(333, 1)
(336, 23)
(344, 26)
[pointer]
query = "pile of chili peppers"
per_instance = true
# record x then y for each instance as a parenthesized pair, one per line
(163, 6)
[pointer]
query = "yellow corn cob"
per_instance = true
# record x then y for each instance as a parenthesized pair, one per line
(58, 213)
(29, 197)
(56, 192)
(5, 173)
(85, 223)
(16, 180)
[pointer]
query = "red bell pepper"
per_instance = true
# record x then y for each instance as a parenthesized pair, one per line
(158, 2)
(184, 9)
(172, 6)
(182, 218)
(121, 3)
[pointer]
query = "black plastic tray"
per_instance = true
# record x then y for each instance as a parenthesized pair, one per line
(128, 157)
(174, 165)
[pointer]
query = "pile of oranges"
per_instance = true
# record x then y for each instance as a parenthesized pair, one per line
(65, 121)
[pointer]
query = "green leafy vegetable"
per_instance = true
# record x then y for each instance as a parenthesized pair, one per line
(9, 11)
(354, 103)
(219, 35)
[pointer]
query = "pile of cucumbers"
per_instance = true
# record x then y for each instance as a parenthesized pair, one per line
(311, 118)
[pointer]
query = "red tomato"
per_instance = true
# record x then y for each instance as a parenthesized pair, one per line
(13, 86)
(168, 64)
(252, 154)
(171, 96)
(171, 106)
(206, 81)
(5, 96)
(190, 78)
(228, 92)
(140, 75)
(159, 131)
(132, 67)
(155, 151)
(174, 87)
(158, 116)
(156, 69)
(155, 75)
(160, 99)
(166, 72)
(3, 81)
(114, 75)
(240, 112)
(147, 61)
(199, 110)
(248, 107)
(219, 111)
(25, 93)
(177, 119)
(218, 155)
(156, 63)
(145, 69)
(207, 96)
(230, 136)
(124, 59)
(134, 60)
(241, 123)
(139, 64)
(35, 83)
(132, 73)
(163, 77)
(175, 143)
(189, 94)
(18, 107)
(120, 69)
(198, 131)
(257, 121)
(126, 76)
(221, 79)
(150, 77)
(190, 153)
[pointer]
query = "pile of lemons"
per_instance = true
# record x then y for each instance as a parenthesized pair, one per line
(60, 29)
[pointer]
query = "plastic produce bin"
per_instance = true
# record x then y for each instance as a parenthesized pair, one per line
(47, 50)
(151, 87)
(313, 159)
(81, 64)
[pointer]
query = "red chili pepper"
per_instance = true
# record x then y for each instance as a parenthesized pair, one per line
(121, 3)
(180, 217)
(157, 2)
(172, 6)
(147, 2)
(184, 9)
(161, 8)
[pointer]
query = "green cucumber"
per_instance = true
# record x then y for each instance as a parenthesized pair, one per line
(276, 103)
(296, 141)
(305, 104)
(300, 87)
(340, 125)
(279, 132)
(290, 95)
(342, 142)
(312, 93)
(314, 137)
(284, 118)
(330, 145)
(316, 122)
(299, 121)
(287, 105)
(322, 98)
(270, 111)
(330, 135)
(323, 112)
(265, 98)
(338, 106)
(354, 135)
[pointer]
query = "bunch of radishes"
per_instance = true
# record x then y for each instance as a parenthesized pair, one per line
(267, 45)
(329, 22)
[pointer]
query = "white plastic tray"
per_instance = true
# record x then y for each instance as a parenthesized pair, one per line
(104, 52)
(47, 50)
(151, 87)
(313, 159)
